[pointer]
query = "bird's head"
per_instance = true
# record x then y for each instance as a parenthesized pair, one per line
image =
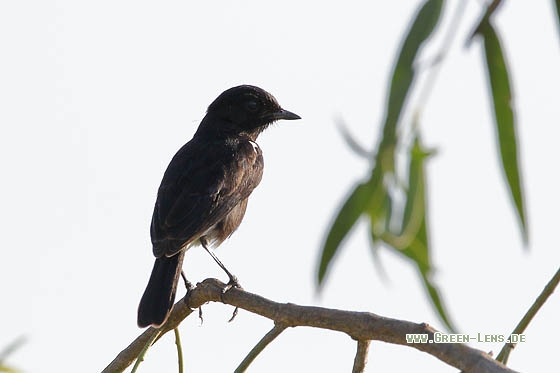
(244, 109)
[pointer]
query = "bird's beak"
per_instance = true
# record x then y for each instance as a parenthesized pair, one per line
(285, 114)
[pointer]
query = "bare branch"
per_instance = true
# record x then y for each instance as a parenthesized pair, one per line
(503, 356)
(358, 325)
(360, 361)
(269, 337)
(145, 348)
(129, 354)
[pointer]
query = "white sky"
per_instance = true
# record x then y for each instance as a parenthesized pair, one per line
(96, 97)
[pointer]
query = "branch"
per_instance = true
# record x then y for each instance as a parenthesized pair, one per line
(361, 326)
(503, 356)
(269, 337)
(145, 348)
(360, 360)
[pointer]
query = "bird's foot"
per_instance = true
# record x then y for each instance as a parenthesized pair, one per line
(233, 283)
(200, 315)
(187, 283)
(234, 314)
(189, 287)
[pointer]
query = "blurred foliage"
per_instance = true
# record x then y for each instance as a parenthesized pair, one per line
(504, 116)
(403, 226)
(6, 352)
(557, 3)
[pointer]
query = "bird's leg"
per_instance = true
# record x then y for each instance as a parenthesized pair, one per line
(190, 287)
(233, 282)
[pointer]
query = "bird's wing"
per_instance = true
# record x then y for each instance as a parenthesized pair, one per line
(202, 184)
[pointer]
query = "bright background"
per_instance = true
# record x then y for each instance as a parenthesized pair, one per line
(96, 97)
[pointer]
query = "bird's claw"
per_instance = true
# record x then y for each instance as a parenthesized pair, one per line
(187, 298)
(234, 314)
(233, 283)
(200, 315)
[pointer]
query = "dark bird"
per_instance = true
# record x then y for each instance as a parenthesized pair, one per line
(203, 195)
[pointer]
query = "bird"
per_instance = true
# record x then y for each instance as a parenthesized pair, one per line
(204, 192)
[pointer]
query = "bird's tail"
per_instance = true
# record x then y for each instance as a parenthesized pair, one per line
(158, 298)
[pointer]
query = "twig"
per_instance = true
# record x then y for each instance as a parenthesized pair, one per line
(520, 328)
(358, 325)
(259, 347)
(490, 9)
(140, 357)
(128, 355)
(360, 361)
(179, 349)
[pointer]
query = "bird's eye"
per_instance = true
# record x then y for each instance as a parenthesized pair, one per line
(252, 105)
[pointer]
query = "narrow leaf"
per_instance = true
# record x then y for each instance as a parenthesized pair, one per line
(414, 234)
(414, 218)
(369, 197)
(438, 303)
(403, 73)
(505, 119)
(354, 206)
(557, 3)
(379, 222)
(380, 269)
(351, 140)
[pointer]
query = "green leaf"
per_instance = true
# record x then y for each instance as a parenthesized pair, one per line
(415, 210)
(505, 119)
(557, 3)
(403, 74)
(370, 197)
(438, 303)
(414, 218)
(413, 241)
(354, 206)
(375, 240)
(351, 140)
(379, 219)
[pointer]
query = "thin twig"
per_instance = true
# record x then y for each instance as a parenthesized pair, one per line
(360, 361)
(490, 9)
(520, 328)
(140, 357)
(129, 354)
(179, 349)
(268, 337)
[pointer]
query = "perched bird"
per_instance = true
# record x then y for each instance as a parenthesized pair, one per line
(203, 195)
